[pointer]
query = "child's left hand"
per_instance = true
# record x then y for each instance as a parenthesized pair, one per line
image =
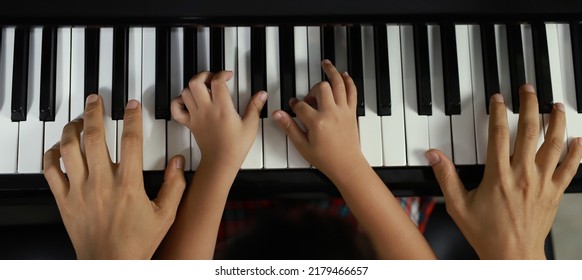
(206, 107)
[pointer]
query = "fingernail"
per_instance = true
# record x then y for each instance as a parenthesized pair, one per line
(432, 157)
(91, 98)
(277, 116)
(529, 88)
(497, 98)
(559, 106)
(263, 96)
(345, 74)
(326, 61)
(180, 163)
(132, 104)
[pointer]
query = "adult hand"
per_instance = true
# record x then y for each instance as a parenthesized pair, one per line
(103, 205)
(509, 215)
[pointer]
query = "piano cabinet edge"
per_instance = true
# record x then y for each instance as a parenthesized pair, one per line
(402, 181)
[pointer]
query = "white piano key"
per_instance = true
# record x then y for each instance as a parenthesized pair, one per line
(314, 49)
(154, 131)
(203, 49)
(463, 130)
(9, 139)
(481, 118)
(77, 106)
(417, 135)
(573, 118)
(439, 124)
(53, 130)
(294, 158)
(530, 73)
(30, 143)
(504, 81)
(555, 76)
(370, 125)
(341, 48)
(393, 132)
(105, 86)
(274, 139)
(230, 62)
(254, 159)
(178, 137)
(133, 75)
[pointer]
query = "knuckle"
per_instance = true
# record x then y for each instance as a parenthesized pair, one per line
(556, 144)
(500, 132)
(93, 135)
(132, 138)
(530, 131)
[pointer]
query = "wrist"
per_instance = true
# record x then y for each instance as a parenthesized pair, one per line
(343, 173)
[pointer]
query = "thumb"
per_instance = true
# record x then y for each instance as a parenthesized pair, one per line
(292, 129)
(444, 170)
(173, 187)
(254, 107)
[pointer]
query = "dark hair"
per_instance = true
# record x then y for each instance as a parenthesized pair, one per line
(299, 232)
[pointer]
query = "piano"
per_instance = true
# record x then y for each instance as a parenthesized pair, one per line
(424, 73)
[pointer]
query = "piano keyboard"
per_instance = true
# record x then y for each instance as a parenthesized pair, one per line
(420, 86)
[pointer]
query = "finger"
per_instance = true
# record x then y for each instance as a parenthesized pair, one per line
(292, 129)
(53, 174)
(179, 111)
(188, 100)
(448, 179)
(132, 140)
(351, 91)
(569, 166)
(304, 112)
(254, 107)
(199, 86)
(219, 89)
(323, 95)
(528, 128)
(336, 81)
(173, 187)
(549, 154)
(96, 151)
(70, 150)
(498, 138)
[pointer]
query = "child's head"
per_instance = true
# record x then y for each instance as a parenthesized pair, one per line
(299, 232)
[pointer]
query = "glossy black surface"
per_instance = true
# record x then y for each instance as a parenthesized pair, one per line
(92, 39)
(162, 107)
(384, 101)
(450, 70)
(356, 65)
(489, 52)
(120, 74)
(516, 62)
(20, 74)
(542, 66)
(422, 66)
(48, 70)
(259, 63)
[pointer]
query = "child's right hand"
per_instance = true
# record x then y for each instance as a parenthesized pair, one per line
(330, 141)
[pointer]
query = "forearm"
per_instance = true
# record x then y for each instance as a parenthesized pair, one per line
(391, 231)
(194, 232)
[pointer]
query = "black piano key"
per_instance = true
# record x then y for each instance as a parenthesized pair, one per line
(162, 106)
(356, 65)
(327, 46)
(450, 70)
(216, 49)
(259, 63)
(421, 62)
(92, 36)
(384, 102)
(20, 74)
(190, 54)
(120, 68)
(542, 67)
(287, 66)
(489, 49)
(48, 70)
(576, 38)
(516, 62)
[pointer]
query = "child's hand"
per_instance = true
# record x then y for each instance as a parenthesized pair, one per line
(330, 141)
(511, 212)
(207, 109)
(103, 205)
